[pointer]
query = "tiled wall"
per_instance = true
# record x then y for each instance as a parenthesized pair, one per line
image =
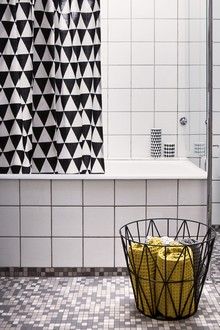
(63, 223)
(216, 112)
(153, 70)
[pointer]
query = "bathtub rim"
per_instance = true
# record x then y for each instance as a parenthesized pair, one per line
(188, 171)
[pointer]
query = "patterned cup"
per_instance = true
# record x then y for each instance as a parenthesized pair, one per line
(169, 150)
(156, 138)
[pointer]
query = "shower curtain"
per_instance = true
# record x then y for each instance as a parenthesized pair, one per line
(50, 87)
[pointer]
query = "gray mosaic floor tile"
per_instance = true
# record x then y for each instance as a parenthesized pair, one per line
(95, 303)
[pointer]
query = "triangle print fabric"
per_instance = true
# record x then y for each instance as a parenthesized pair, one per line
(50, 87)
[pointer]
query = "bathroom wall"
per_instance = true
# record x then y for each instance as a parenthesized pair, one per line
(153, 68)
(216, 112)
(74, 223)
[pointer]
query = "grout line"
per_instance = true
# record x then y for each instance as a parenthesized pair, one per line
(19, 196)
(154, 83)
(118, 205)
(177, 94)
(51, 223)
(108, 66)
(131, 78)
(83, 229)
(114, 248)
(158, 19)
(177, 209)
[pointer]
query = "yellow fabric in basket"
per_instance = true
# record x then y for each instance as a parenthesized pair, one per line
(142, 268)
(175, 267)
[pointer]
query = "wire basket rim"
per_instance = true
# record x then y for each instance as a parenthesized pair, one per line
(213, 232)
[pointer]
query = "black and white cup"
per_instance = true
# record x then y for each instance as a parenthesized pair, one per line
(156, 142)
(199, 149)
(169, 150)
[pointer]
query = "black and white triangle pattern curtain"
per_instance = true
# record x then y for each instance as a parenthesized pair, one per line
(50, 87)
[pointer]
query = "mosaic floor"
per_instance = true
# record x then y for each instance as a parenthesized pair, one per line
(94, 303)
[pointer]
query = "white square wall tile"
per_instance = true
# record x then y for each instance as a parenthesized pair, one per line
(119, 9)
(216, 9)
(35, 252)
(166, 99)
(67, 192)
(142, 53)
(119, 254)
(183, 9)
(142, 76)
(35, 221)
(104, 100)
(119, 100)
(165, 53)
(119, 147)
(161, 212)
(197, 9)
(104, 27)
(216, 77)
(119, 123)
(192, 53)
(9, 192)
(67, 252)
(166, 30)
(216, 192)
(98, 252)
(140, 146)
(104, 53)
(35, 192)
(130, 192)
(184, 99)
(119, 76)
(104, 124)
(119, 30)
(198, 76)
(104, 8)
(216, 30)
(142, 99)
(166, 8)
(104, 69)
(67, 221)
(167, 121)
(142, 30)
(165, 76)
(192, 192)
(119, 53)
(166, 228)
(198, 99)
(9, 256)
(216, 213)
(192, 30)
(216, 100)
(162, 192)
(143, 9)
(124, 215)
(142, 122)
(99, 221)
(184, 77)
(196, 213)
(99, 192)
(9, 221)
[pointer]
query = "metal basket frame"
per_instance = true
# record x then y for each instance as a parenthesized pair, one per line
(167, 280)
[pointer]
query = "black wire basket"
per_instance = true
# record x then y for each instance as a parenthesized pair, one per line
(167, 260)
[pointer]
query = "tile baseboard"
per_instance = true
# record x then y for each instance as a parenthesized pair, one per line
(61, 271)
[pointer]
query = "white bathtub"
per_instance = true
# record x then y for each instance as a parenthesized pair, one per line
(129, 169)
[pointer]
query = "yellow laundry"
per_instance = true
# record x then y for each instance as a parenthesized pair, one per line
(175, 267)
(142, 268)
